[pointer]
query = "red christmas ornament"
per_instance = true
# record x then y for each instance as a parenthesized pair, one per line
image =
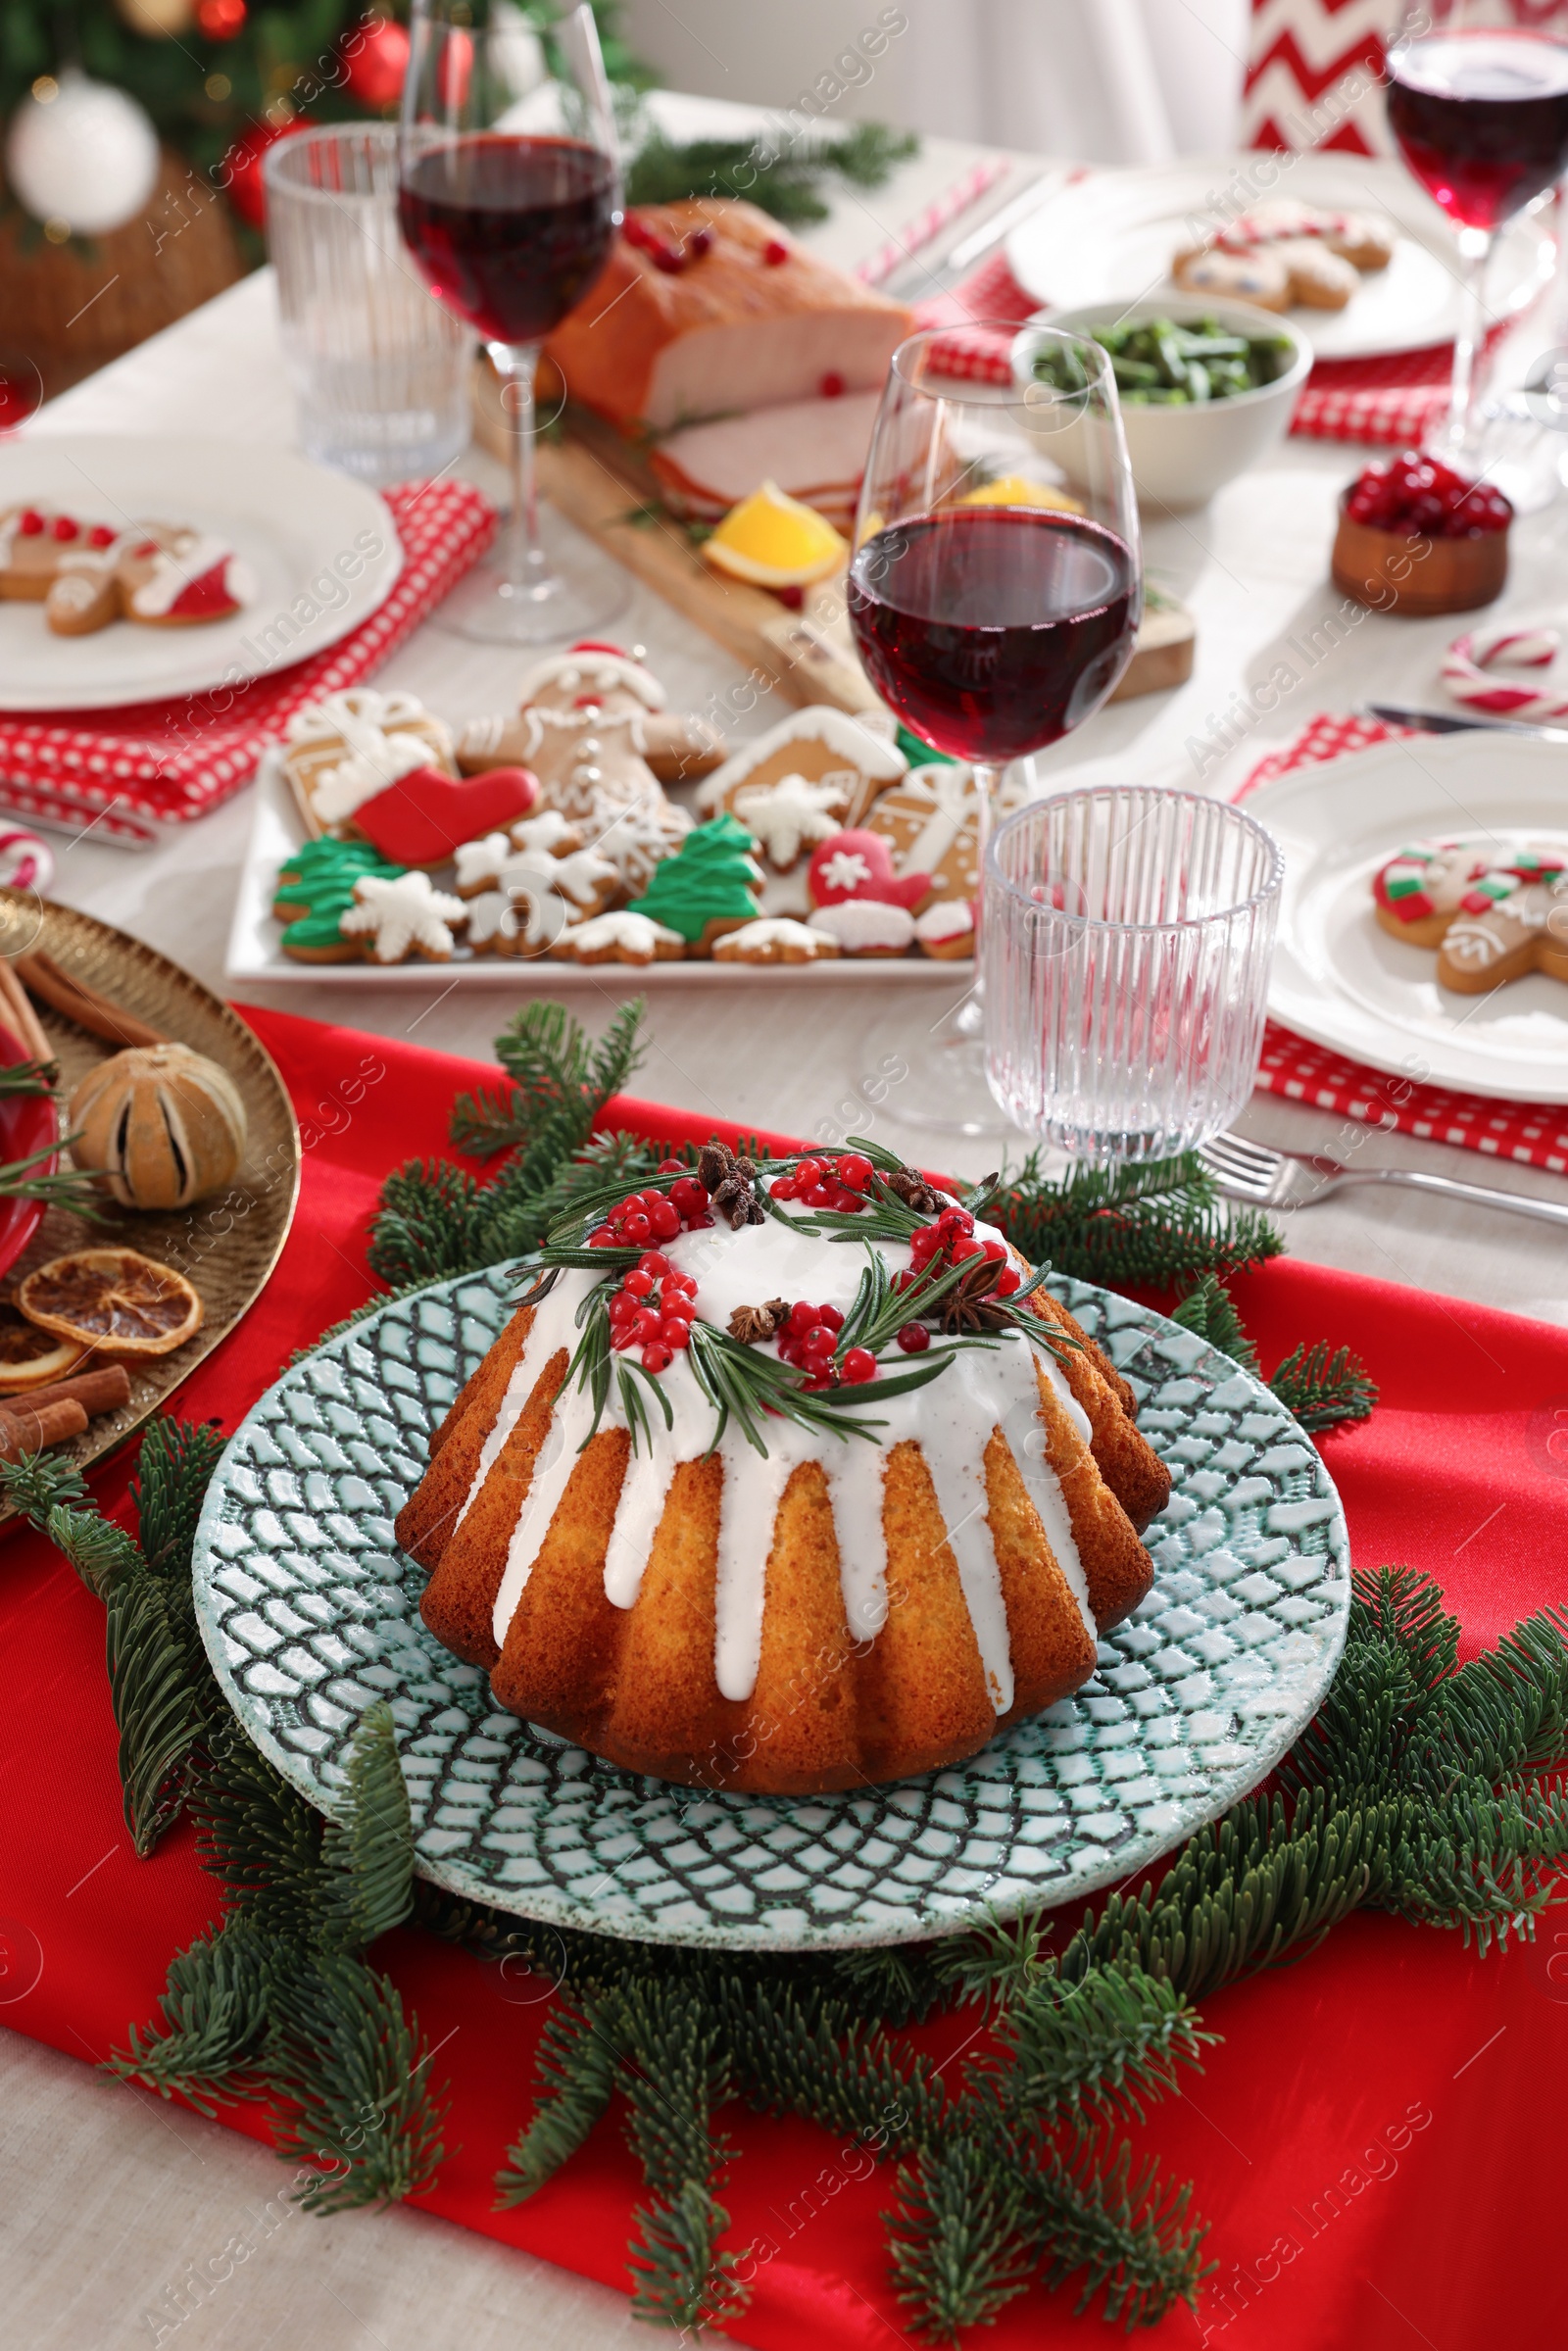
(375, 60)
(220, 20)
(239, 174)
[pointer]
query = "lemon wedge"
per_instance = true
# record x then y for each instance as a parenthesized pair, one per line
(1016, 489)
(774, 541)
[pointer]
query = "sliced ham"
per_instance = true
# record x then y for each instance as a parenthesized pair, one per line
(727, 330)
(813, 449)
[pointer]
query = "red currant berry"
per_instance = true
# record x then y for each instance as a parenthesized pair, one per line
(848, 1204)
(671, 1167)
(995, 1251)
(855, 1171)
(638, 1284)
(656, 1357)
(807, 1171)
(638, 1231)
(956, 1220)
(654, 1261)
(818, 1342)
(783, 1188)
(830, 1317)
(821, 1380)
(961, 1250)
(645, 1321)
(679, 1284)
(914, 1338)
(1007, 1281)
(803, 1315)
(622, 1335)
(602, 1237)
(859, 1364)
(622, 1306)
(688, 1195)
(665, 1218)
(675, 1331)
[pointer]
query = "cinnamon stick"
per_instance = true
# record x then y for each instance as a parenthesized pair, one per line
(18, 1014)
(99, 1014)
(103, 1391)
(24, 1430)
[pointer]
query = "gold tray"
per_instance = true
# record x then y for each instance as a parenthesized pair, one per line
(225, 1246)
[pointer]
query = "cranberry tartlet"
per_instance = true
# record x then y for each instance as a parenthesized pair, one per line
(1416, 537)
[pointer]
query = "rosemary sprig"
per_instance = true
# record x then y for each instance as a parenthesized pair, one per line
(743, 1384)
(29, 1077)
(71, 1188)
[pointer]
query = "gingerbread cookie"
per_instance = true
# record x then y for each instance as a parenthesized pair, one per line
(859, 864)
(639, 837)
(344, 751)
(315, 888)
(1261, 278)
(524, 919)
(623, 938)
(819, 745)
(775, 939)
(709, 887)
(478, 863)
(1367, 244)
(790, 816)
(394, 920)
(931, 825)
(1416, 894)
(866, 926)
(1502, 933)
(593, 729)
(1320, 278)
(86, 574)
(946, 930)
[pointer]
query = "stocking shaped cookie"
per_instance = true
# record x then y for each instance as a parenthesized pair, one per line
(593, 729)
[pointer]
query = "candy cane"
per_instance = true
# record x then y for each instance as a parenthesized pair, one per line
(1470, 658)
(26, 863)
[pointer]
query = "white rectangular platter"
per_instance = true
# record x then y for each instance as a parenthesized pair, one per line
(254, 952)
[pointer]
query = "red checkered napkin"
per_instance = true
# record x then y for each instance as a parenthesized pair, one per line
(1534, 1133)
(1389, 399)
(131, 773)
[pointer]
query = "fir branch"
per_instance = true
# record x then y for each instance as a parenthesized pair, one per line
(953, 2237)
(373, 1846)
(1210, 1311)
(38, 1483)
(216, 2019)
(426, 1226)
(782, 182)
(174, 1470)
(1109, 2041)
(680, 2276)
(1323, 1388)
(157, 1695)
(348, 2069)
(100, 1551)
(574, 2076)
(258, 1838)
(1125, 2231)
(1159, 1224)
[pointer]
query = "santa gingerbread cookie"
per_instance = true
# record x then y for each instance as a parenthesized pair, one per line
(593, 729)
(818, 747)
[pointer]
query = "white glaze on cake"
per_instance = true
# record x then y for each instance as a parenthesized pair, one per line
(951, 1420)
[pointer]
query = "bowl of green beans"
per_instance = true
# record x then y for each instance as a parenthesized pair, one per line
(1206, 388)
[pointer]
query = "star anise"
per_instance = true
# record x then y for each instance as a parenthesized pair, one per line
(973, 1305)
(749, 1324)
(731, 1185)
(911, 1187)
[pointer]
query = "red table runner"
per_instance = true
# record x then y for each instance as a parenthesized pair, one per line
(1376, 2139)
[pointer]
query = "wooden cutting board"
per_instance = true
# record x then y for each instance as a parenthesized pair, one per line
(590, 474)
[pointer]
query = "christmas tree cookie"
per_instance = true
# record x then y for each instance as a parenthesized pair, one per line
(709, 887)
(315, 888)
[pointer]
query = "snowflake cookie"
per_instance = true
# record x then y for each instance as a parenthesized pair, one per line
(395, 919)
(866, 926)
(791, 815)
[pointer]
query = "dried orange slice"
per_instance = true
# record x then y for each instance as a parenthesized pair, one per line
(114, 1300)
(31, 1358)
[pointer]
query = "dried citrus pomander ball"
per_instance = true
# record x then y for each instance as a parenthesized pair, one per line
(159, 1125)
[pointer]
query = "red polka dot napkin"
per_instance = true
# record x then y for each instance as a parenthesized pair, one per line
(132, 772)
(1534, 1133)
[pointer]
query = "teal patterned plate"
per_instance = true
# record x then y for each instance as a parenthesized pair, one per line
(310, 1613)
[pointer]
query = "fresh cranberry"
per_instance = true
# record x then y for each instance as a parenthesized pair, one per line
(1007, 1281)
(29, 522)
(774, 252)
(638, 1231)
(857, 1365)
(855, 1171)
(62, 527)
(675, 1331)
(663, 1218)
(689, 1197)
(914, 1338)
(831, 1317)
(657, 1356)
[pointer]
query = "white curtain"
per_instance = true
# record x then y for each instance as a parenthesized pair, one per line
(1103, 80)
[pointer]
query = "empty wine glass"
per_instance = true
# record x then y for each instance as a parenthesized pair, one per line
(508, 200)
(995, 589)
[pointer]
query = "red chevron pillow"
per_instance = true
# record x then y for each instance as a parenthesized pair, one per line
(1314, 75)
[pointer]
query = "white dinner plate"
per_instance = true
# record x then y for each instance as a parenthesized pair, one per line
(1113, 236)
(1340, 979)
(298, 528)
(254, 952)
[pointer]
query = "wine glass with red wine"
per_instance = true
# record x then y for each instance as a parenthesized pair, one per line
(509, 199)
(995, 591)
(1478, 103)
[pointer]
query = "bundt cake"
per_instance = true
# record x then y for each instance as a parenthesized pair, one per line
(783, 1477)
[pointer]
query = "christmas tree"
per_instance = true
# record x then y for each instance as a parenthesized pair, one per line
(712, 877)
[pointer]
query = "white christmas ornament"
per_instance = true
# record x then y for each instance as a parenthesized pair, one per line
(87, 156)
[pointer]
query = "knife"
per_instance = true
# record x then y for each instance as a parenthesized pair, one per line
(1451, 722)
(1003, 222)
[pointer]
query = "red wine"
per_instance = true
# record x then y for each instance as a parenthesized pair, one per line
(1481, 119)
(511, 232)
(994, 630)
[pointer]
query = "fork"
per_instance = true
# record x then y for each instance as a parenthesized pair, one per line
(1271, 1179)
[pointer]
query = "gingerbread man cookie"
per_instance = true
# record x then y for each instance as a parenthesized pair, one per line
(1424, 886)
(593, 729)
(1502, 933)
(162, 574)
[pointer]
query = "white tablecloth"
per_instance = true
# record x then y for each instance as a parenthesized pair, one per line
(107, 2195)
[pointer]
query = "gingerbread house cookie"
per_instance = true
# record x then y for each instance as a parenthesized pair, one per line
(819, 745)
(348, 748)
(931, 824)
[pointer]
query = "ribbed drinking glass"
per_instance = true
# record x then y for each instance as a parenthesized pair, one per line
(1126, 944)
(380, 371)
